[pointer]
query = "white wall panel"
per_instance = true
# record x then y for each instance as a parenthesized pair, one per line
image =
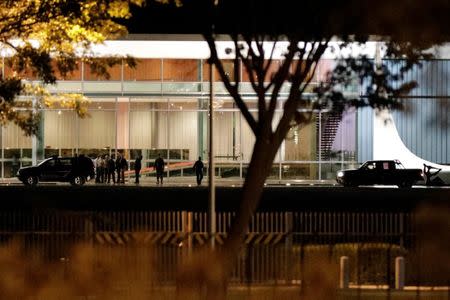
(183, 132)
(60, 129)
(141, 127)
(98, 131)
(13, 137)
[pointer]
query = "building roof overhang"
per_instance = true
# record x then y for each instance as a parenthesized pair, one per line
(168, 46)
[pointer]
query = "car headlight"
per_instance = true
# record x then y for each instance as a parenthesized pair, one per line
(340, 174)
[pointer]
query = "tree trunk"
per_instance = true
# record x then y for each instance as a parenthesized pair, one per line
(258, 170)
(208, 271)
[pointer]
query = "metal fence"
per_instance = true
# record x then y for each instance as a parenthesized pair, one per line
(265, 228)
(145, 249)
(279, 246)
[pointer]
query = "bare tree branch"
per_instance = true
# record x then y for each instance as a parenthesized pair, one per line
(280, 77)
(252, 64)
(232, 89)
(259, 59)
(236, 62)
(291, 104)
(302, 68)
(317, 55)
(268, 64)
(248, 64)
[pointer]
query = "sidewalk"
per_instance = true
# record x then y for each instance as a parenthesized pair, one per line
(190, 181)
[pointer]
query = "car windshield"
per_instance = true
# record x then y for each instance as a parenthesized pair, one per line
(44, 161)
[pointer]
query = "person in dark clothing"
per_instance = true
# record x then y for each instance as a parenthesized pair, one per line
(198, 168)
(110, 167)
(118, 166)
(137, 168)
(102, 169)
(159, 167)
(98, 164)
(105, 168)
(123, 167)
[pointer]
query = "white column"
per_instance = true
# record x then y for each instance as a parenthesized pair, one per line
(122, 129)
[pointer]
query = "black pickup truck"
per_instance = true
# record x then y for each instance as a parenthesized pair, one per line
(76, 170)
(387, 172)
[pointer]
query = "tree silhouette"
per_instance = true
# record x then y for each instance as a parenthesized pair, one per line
(309, 29)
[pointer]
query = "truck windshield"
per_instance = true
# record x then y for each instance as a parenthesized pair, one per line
(398, 165)
(368, 166)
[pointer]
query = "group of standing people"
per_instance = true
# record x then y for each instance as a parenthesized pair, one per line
(106, 168)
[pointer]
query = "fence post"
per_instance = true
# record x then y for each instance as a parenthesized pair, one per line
(89, 229)
(302, 270)
(402, 230)
(399, 273)
(187, 220)
(344, 275)
(289, 222)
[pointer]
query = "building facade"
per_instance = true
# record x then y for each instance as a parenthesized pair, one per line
(161, 107)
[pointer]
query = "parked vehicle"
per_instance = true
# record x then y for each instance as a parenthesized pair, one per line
(387, 172)
(76, 170)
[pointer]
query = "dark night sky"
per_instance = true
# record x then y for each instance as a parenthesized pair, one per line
(405, 18)
(158, 18)
(196, 16)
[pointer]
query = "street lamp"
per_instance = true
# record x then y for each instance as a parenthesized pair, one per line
(212, 187)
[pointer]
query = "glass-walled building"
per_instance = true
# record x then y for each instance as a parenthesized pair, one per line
(161, 107)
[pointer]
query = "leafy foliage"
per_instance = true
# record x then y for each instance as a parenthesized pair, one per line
(48, 36)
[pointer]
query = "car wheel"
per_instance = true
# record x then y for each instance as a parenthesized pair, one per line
(31, 180)
(77, 180)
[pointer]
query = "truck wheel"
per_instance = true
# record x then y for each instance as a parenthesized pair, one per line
(77, 180)
(405, 184)
(31, 180)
